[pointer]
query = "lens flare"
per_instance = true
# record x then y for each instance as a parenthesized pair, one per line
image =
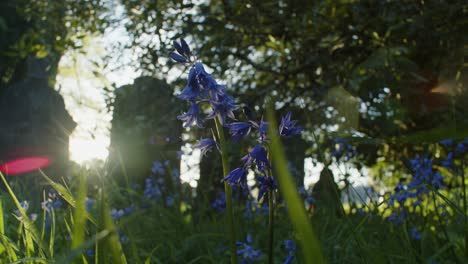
(23, 165)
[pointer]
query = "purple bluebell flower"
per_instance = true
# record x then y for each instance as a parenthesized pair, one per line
(342, 148)
(258, 155)
(447, 142)
(220, 203)
(263, 129)
(89, 204)
(192, 116)
(397, 218)
(288, 127)
(265, 185)
(246, 252)
(415, 234)
(205, 145)
(223, 107)
(158, 168)
(289, 259)
(448, 161)
(291, 248)
(117, 214)
(183, 52)
(461, 148)
(237, 177)
(193, 90)
(239, 130)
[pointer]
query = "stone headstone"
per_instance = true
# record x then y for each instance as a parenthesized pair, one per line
(144, 129)
(34, 121)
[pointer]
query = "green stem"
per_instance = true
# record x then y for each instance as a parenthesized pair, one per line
(464, 207)
(270, 226)
(227, 190)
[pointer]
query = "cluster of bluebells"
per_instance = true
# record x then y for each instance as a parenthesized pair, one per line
(51, 202)
(424, 178)
(291, 248)
(247, 254)
(341, 149)
(25, 207)
(202, 89)
(117, 214)
(454, 150)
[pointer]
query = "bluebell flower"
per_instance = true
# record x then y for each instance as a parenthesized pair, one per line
(238, 130)
(342, 148)
(266, 184)
(183, 52)
(258, 155)
(117, 214)
(448, 161)
(246, 252)
(192, 116)
(223, 107)
(289, 245)
(220, 203)
(289, 259)
(447, 142)
(237, 177)
(193, 90)
(415, 234)
(397, 218)
(158, 168)
(205, 145)
(461, 148)
(288, 127)
(90, 252)
(89, 204)
(263, 129)
(291, 248)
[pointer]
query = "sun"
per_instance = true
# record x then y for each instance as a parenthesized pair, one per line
(85, 149)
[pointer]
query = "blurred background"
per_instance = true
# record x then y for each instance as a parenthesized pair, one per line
(88, 83)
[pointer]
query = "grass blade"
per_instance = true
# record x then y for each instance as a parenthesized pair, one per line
(309, 242)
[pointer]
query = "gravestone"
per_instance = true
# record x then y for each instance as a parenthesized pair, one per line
(144, 129)
(34, 121)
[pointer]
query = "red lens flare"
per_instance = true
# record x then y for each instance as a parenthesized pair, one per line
(23, 165)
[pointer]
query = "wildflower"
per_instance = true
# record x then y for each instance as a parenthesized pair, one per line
(89, 204)
(448, 161)
(263, 128)
(447, 142)
(461, 148)
(192, 116)
(183, 51)
(117, 214)
(266, 184)
(343, 148)
(247, 253)
(288, 127)
(220, 203)
(239, 130)
(258, 155)
(291, 248)
(237, 176)
(223, 107)
(158, 168)
(415, 234)
(205, 145)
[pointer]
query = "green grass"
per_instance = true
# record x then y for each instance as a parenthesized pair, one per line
(161, 233)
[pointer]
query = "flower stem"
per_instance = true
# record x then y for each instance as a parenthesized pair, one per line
(228, 192)
(270, 225)
(464, 206)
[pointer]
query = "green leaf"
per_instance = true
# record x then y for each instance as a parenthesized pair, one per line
(309, 242)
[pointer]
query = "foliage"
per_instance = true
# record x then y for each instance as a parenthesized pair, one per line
(44, 29)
